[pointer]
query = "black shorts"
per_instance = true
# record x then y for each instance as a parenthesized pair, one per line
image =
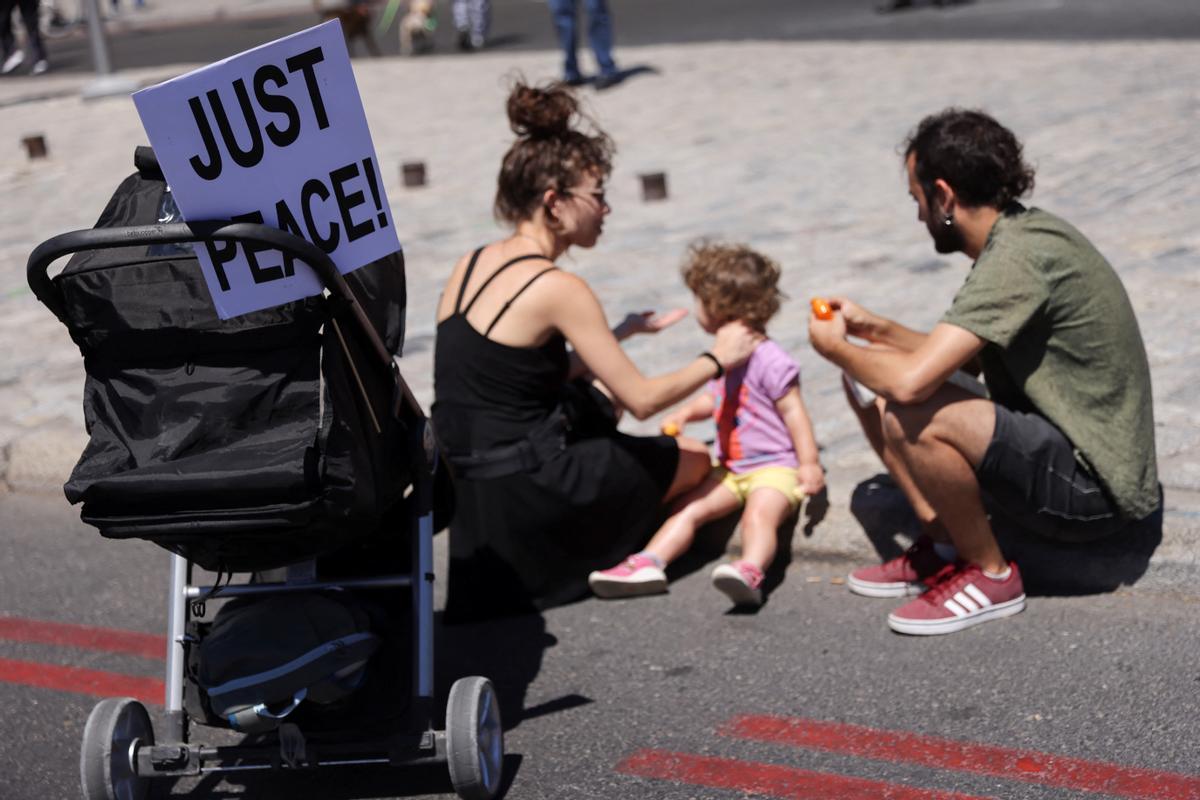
(1030, 475)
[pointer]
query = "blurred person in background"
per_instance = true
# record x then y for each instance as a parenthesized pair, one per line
(12, 56)
(473, 19)
(58, 17)
(600, 37)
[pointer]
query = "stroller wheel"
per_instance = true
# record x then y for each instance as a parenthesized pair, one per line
(115, 729)
(474, 738)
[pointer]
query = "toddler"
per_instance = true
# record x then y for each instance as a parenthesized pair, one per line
(766, 459)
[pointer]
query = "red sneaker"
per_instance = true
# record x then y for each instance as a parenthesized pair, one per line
(907, 574)
(963, 597)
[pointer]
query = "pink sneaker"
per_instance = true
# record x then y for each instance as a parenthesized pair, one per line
(907, 574)
(741, 582)
(962, 598)
(636, 575)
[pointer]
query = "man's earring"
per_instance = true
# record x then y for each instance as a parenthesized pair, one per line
(948, 220)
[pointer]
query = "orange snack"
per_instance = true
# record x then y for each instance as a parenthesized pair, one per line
(670, 429)
(821, 309)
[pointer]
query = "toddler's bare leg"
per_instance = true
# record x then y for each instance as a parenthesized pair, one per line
(695, 464)
(706, 502)
(766, 509)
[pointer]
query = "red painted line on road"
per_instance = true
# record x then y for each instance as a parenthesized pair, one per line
(108, 640)
(1003, 762)
(773, 780)
(81, 681)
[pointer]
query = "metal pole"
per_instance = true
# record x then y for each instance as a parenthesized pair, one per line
(107, 84)
(96, 37)
(176, 628)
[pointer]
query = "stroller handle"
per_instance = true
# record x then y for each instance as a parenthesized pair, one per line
(65, 244)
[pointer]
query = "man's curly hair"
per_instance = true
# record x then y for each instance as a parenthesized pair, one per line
(733, 282)
(980, 158)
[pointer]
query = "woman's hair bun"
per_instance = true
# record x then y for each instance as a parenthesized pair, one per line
(541, 112)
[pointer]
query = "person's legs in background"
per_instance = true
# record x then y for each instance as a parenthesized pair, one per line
(29, 15)
(563, 12)
(461, 9)
(10, 56)
(481, 22)
(472, 20)
(600, 37)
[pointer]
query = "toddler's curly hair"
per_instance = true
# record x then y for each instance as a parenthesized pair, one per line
(733, 282)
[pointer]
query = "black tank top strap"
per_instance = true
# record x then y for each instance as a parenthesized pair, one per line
(462, 287)
(510, 300)
(492, 277)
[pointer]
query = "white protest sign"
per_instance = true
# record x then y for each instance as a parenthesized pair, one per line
(276, 135)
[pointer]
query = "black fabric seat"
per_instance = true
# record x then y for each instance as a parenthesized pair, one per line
(241, 444)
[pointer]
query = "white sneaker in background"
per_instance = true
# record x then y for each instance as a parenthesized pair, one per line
(12, 62)
(39, 67)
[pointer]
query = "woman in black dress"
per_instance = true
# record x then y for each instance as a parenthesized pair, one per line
(545, 493)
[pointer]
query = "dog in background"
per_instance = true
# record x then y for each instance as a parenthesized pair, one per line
(417, 27)
(355, 16)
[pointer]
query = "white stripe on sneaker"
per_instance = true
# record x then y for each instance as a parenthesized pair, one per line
(966, 602)
(979, 596)
(954, 608)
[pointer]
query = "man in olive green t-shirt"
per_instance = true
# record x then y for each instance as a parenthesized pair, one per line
(1064, 441)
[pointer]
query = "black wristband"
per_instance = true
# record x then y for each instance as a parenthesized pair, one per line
(712, 358)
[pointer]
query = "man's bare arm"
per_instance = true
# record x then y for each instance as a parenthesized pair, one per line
(902, 377)
(868, 325)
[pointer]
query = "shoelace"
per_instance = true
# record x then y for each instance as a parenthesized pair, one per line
(948, 581)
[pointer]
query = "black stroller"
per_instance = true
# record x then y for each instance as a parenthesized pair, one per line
(282, 445)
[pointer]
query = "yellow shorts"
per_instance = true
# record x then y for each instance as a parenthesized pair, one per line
(743, 484)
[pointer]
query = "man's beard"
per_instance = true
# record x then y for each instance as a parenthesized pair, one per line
(946, 238)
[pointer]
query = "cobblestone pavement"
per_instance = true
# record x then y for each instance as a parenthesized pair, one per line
(791, 147)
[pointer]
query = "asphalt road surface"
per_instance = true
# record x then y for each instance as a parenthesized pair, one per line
(525, 25)
(666, 697)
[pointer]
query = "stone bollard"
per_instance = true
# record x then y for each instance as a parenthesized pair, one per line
(654, 186)
(35, 146)
(413, 173)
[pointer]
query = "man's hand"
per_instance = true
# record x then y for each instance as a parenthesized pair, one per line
(826, 334)
(859, 322)
(647, 322)
(811, 478)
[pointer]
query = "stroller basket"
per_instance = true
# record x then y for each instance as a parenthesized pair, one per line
(240, 444)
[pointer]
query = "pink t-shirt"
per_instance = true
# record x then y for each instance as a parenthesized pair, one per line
(750, 432)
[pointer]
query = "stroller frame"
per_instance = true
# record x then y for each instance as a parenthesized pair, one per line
(120, 755)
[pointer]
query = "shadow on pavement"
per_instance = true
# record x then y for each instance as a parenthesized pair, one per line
(340, 783)
(712, 541)
(1048, 568)
(508, 651)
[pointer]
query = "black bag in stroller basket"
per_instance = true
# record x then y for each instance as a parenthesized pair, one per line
(239, 444)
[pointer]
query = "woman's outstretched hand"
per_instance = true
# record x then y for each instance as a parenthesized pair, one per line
(734, 344)
(647, 322)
